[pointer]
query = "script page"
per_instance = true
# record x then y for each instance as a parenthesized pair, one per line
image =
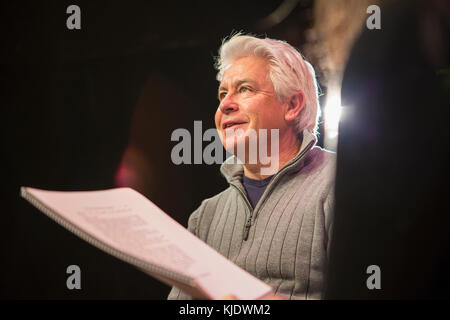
(126, 221)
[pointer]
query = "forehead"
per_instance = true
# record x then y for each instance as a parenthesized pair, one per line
(250, 67)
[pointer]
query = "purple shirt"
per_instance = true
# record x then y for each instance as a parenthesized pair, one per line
(255, 188)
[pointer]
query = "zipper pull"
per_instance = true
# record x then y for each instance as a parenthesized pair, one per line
(247, 228)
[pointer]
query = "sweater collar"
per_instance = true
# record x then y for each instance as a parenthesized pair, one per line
(232, 170)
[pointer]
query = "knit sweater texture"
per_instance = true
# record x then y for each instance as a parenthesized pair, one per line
(284, 240)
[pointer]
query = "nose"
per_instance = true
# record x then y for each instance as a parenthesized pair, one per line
(228, 104)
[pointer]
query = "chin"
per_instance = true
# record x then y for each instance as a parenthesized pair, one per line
(232, 141)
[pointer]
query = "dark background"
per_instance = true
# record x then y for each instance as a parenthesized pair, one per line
(95, 108)
(76, 105)
(392, 206)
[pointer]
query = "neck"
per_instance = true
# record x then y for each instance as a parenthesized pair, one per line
(289, 146)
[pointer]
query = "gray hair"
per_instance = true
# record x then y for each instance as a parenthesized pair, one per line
(289, 72)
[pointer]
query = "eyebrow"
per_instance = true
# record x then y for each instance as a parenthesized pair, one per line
(237, 83)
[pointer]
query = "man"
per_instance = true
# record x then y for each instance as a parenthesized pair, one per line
(277, 225)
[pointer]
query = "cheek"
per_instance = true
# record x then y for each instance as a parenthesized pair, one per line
(257, 111)
(217, 117)
(270, 117)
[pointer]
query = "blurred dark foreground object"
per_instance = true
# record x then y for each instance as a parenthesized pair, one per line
(392, 204)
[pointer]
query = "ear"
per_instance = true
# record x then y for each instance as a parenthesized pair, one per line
(295, 104)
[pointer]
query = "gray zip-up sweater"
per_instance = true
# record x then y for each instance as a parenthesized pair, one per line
(284, 240)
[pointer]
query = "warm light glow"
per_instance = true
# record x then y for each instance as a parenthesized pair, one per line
(332, 115)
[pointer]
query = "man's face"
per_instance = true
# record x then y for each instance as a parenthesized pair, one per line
(247, 101)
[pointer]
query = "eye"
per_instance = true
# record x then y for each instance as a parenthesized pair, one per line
(222, 95)
(244, 89)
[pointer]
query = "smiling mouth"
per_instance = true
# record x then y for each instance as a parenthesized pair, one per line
(231, 124)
